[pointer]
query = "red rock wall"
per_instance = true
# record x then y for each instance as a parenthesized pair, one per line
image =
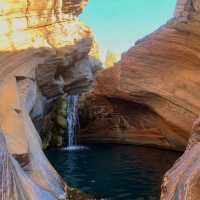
(161, 72)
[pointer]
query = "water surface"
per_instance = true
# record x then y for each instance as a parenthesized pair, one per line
(118, 172)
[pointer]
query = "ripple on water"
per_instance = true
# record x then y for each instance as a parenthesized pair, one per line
(118, 172)
(75, 148)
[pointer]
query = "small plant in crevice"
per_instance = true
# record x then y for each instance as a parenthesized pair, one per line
(55, 125)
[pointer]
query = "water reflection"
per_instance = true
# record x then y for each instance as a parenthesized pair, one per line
(115, 171)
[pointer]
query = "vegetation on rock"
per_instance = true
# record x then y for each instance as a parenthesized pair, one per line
(111, 59)
(75, 194)
(56, 125)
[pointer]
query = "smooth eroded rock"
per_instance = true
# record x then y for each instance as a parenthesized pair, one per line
(157, 83)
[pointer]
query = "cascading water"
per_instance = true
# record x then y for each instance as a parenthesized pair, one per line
(72, 101)
(72, 119)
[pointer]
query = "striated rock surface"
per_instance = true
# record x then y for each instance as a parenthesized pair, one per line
(72, 72)
(15, 183)
(41, 43)
(151, 97)
(182, 180)
(74, 7)
(29, 24)
(154, 88)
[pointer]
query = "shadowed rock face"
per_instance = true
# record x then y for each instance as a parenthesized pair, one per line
(15, 183)
(160, 73)
(42, 44)
(72, 72)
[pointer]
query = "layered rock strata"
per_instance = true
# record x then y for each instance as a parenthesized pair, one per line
(151, 97)
(154, 87)
(182, 180)
(40, 44)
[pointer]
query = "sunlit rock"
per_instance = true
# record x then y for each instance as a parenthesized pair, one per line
(36, 40)
(26, 24)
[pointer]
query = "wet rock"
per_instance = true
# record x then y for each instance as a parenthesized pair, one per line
(55, 124)
(75, 194)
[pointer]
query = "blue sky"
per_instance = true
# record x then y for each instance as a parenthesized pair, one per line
(119, 23)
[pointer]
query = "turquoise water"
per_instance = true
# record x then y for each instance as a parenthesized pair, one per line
(118, 172)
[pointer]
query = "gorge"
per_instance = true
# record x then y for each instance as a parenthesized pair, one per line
(150, 97)
(39, 43)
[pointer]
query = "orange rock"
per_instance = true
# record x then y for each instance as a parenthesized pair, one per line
(36, 35)
(32, 34)
(159, 77)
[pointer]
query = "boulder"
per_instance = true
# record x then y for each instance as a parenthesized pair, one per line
(182, 180)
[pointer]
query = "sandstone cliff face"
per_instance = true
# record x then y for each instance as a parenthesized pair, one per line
(154, 87)
(41, 45)
(151, 97)
(29, 24)
(41, 48)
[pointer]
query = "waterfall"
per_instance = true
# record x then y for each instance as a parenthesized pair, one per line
(72, 120)
(72, 101)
